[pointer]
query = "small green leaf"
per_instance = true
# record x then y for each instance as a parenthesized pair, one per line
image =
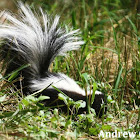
(93, 131)
(80, 104)
(68, 123)
(85, 77)
(43, 98)
(110, 100)
(63, 98)
(106, 127)
(25, 102)
(95, 86)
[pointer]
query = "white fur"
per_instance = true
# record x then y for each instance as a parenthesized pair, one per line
(27, 29)
(61, 82)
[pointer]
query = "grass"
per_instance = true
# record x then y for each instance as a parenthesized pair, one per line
(109, 60)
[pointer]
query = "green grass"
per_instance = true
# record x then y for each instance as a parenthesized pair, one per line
(109, 60)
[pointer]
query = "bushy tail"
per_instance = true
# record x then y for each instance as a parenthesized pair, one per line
(36, 40)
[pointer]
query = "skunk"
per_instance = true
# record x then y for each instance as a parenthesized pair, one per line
(36, 39)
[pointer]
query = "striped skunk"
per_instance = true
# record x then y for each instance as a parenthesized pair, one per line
(37, 40)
